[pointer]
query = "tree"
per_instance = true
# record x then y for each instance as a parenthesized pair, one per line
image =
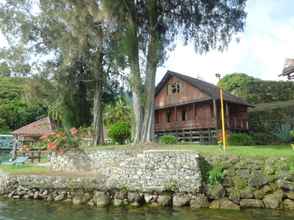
(255, 90)
(119, 111)
(237, 83)
(15, 111)
(151, 27)
(74, 33)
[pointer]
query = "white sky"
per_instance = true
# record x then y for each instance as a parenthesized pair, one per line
(267, 40)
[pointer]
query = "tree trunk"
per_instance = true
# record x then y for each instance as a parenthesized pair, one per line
(135, 76)
(151, 66)
(152, 61)
(138, 105)
(98, 137)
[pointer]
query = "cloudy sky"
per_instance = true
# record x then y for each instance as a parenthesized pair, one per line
(267, 40)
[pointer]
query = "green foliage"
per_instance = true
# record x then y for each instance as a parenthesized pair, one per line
(205, 167)
(171, 186)
(237, 84)
(216, 175)
(283, 133)
(257, 91)
(120, 111)
(276, 119)
(291, 164)
(25, 169)
(241, 139)
(3, 126)
(15, 111)
(78, 57)
(168, 139)
(120, 132)
(263, 138)
(239, 182)
(60, 141)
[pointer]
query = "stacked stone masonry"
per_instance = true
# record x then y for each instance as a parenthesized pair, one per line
(159, 178)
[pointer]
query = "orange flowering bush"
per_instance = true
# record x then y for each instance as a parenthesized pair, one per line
(60, 141)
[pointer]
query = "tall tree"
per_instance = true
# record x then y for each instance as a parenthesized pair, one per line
(151, 26)
(75, 35)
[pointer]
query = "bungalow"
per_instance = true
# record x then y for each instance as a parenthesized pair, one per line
(189, 108)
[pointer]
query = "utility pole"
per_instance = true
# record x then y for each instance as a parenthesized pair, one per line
(222, 114)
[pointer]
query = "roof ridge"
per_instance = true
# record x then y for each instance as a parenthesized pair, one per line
(206, 87)
(192, 78)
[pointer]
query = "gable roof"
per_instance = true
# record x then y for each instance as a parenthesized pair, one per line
(208, 88)
(36, 128)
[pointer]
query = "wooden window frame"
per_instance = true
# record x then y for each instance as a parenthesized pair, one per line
(168, 114)
(184, 115)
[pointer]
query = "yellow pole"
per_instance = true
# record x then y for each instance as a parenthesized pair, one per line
(223, 119)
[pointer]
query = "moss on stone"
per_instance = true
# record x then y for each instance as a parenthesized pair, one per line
(239, 183)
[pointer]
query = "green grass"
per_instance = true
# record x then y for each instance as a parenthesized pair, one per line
(23, 169)
(247, 151)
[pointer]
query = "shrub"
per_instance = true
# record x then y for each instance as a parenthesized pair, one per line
(216, 175)
(60, 141)
(283, 133)
(120, 132)
(168, 139)
(241, 139)
(262, 138)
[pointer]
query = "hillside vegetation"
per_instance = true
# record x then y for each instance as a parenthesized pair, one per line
(257, 91)
(15, 111)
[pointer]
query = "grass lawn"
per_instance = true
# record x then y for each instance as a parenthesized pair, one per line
(23, 169)
(248, 151)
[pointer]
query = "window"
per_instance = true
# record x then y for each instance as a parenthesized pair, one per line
(173, 88)
(168, 116)
(184, 115)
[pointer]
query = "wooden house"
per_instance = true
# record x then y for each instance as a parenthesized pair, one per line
(189, 108)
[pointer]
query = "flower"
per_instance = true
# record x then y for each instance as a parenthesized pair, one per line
(73, 131)
(51, 146)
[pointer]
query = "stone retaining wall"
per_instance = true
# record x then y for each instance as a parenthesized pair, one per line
(152, 170)
(253, 182)
(162, 178)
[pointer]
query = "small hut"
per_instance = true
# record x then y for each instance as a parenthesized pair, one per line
(34, 130)
(288, 69)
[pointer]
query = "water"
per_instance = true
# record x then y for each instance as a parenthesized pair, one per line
(39, 210)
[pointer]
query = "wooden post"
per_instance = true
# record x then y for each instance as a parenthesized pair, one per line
(227, 116)
(215, 114)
